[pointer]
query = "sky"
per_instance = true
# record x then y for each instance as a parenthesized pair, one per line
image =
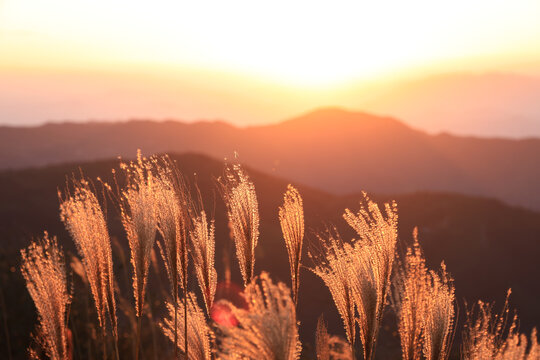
(247, 61)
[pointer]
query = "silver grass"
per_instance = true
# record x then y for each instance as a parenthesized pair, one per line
(44, 270)
(424, 302)
(493, 336)
(268, 329)
(372, 258)
(322, 340)
(84, 219)
(203, 252)
(330, 347)
(243, 213)
(138, 207)
(410, 300)
(335, 269)
(173, 209)
(139, 217)
(291, 218)
(439, 316)
(199, 334)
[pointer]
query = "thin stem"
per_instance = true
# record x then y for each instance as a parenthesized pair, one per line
(185, 302)
(175, 314)
(116, 353)
(352, 349)
(138, 337)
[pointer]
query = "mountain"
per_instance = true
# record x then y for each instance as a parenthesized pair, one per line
(490, 104)
(488, 246)
(332, 149)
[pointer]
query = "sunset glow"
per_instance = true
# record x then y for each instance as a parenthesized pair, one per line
(248, 62)
(301, 42)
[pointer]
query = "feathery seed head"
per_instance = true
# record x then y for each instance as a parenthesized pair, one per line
(371, 261)
(199, 334)
(268, 329)
(44, 270)
(139, 217)
(291, 218)
(84, 219)
(203, 245)
(243, 213)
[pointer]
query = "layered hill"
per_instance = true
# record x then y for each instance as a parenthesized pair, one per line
(335, 150)
(488, 246)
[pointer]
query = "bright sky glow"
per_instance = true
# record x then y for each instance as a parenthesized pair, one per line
(301, 42)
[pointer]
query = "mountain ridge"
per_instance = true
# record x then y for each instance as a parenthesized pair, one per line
(331, 149)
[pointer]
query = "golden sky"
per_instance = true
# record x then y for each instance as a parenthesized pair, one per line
(289, 47)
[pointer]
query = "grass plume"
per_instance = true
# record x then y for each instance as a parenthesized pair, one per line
(372, 257)
(488, 335)
(243, 213)
(84, 219)
(291, 218)
(138, 207)
(203, 252)
(268, 329)
(199, 334)
(439, 316)
(424, 302)
(330, 347)
(44, 270)
(172, 207)
(410, 299)
(334, 268)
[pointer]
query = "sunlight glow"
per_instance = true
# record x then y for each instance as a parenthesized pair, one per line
(297, 42)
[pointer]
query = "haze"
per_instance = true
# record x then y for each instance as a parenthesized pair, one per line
(259, 62)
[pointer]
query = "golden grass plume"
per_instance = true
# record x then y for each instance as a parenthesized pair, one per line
(488, 335)
(291, 218)
(243, 213)
(199, 334)
(203, 252)
(44, 270)
(372, 257)
(84, 219)
(268, 330)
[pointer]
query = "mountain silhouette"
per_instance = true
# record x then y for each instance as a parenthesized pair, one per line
(332, 149)
(489, 104)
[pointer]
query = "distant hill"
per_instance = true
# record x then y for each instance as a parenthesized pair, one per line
(488, 246)
(491, 104)
(331, 149)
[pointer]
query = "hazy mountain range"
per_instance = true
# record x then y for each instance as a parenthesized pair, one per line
(503, 104)
(491, 104)
(331, 149)
(487, 245)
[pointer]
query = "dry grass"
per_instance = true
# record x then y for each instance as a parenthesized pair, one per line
(84, 219)
(322, 340)
(203, 253)
(243, 213)
(199, 334)
(410, 299)
(268, 330)
(291, 218)
(439, 316)
(139, 213)
(335, 269)
(372, 257)
(44, 270)
(155, 200)
(488, 335)
(329, 347)
(424, 302)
